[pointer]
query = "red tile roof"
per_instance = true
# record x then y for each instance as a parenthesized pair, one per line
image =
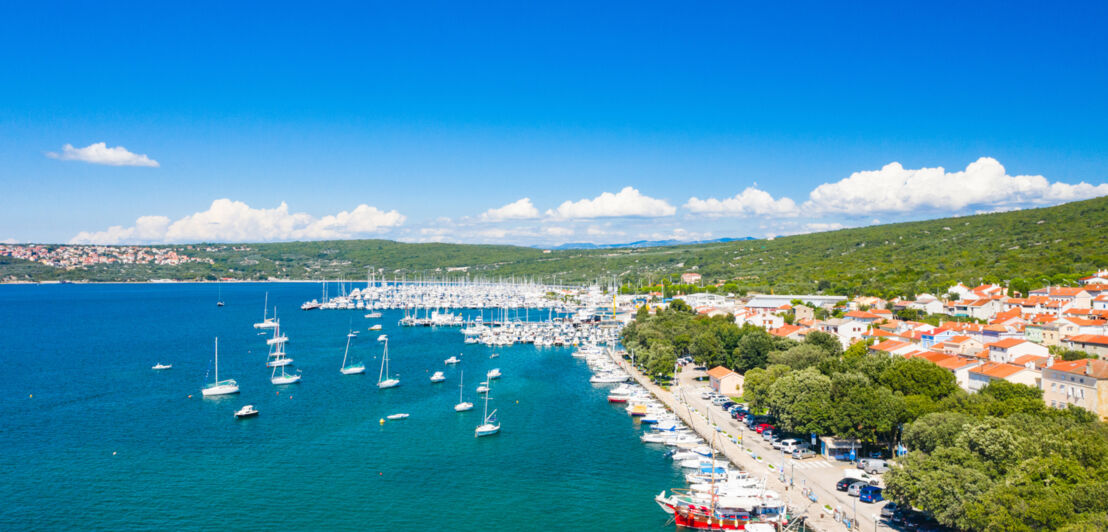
(719, 372)
(1006, 343)
(1095, 368)
(1095, 339)
(997, 370)
(889, 345)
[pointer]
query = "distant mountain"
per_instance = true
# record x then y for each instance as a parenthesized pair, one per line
(643, 243)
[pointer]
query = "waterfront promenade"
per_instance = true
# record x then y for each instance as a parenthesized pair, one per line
(756, 457)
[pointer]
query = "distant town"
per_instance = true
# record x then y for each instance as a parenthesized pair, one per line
(70, 257)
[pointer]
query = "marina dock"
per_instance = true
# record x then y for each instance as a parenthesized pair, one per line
(817, 517)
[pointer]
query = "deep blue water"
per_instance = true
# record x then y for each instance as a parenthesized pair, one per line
(77, 387)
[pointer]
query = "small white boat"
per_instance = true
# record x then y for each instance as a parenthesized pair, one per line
(352, 369)
(219, 387)
(278, 362)
(375, 327)
(373, 315)
(383, 378)
(284, 377)
(398, 416)
(452, 360)
(493, 373)
(159, 366)
(246, 411)
(438, 377)
(462, 405)
(483, 387)
(382, 338)
(490, 425)
(494, 355)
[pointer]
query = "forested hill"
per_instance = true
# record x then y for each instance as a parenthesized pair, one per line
(1054, 243)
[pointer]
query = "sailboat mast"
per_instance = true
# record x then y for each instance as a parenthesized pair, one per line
(217, 359)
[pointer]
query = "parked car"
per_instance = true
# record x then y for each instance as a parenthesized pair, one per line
(795, 444)
(845, 483)
(888, 510)
(803, 452)
(780, 444)
(858, 474)
(873, 466)
(762, 428)
(855, 489)
(769, 435)
(870, 494)
(727, 405)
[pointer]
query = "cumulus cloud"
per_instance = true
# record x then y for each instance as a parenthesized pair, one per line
(235, 221)
(752, 201)
(627, 202)
(100, 153)
(894, 188)
(9, 241)
(558, 231)
(521, 209)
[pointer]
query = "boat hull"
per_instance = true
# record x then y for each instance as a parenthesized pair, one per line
(486, 430)
(225, 389)
(388, 383)
(356, 370)
(463, 407)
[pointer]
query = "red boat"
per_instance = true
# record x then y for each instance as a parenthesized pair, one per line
(726, 513)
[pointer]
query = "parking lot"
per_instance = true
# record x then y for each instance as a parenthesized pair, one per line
(816, 473)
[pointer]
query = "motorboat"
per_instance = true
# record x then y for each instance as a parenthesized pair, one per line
(159, 366)
(398, 416)
(376, 327)
(373, 315)
(493, 373)
(452, 360)
(246, 411)
(438, 377)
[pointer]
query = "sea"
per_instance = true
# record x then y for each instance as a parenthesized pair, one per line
(91, 438)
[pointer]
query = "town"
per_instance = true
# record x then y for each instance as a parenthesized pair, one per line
(71, 256)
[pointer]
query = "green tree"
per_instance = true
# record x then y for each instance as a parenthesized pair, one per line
(799, 357)
(707, 350)
(757, 383)
(800, 401)
(753, 350)
(917, 376)
(828, 342)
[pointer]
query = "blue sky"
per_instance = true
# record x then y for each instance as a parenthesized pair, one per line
(412, 121)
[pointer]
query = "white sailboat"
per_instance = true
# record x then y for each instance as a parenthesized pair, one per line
(267, 322)
(490, 424)
(277, 356)
(383, 378)
(462, 405)
(219, 300)
(285, 377)
(224, 387)
(352, 369)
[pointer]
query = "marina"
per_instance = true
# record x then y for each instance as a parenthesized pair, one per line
(323, 443)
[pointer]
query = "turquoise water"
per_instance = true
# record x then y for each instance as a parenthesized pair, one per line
(92, 438)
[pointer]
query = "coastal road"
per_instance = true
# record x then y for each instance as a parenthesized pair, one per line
(760, 459)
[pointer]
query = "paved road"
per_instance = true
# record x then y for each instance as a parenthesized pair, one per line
(758, 458)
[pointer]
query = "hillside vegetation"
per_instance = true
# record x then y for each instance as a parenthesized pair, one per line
(1053, 244)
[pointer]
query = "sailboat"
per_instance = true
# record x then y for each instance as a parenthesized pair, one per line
(352, 369)
(383, 379)
(277, 356)
(491, 425)
(267, 322)
(219, 387)
(219, 300)
(285, 377)
(462, 405)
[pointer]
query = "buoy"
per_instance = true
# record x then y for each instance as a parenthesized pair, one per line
(380, 474)
(190, 396)
(278, 393)
(382, 421)
(113, 453)
(517, 401)
(30, 395)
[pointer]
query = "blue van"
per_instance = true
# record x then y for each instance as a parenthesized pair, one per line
(870, 494)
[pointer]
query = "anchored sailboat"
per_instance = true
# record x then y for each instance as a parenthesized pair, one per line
(352, 369)
(224, 387)
(462, 405)
(491, 425)
(383, 379)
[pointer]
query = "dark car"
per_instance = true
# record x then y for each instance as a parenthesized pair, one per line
(845, 483)
(888, 510)
(728, 405)
(870, 494)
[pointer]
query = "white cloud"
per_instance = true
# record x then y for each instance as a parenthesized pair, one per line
(627, 202)
(9, 241)
(558, 231)
(235, 221)
(679, 234)
(816, 227)
(517, 210)
(894, 188)
(100, 153)
(752, 201)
